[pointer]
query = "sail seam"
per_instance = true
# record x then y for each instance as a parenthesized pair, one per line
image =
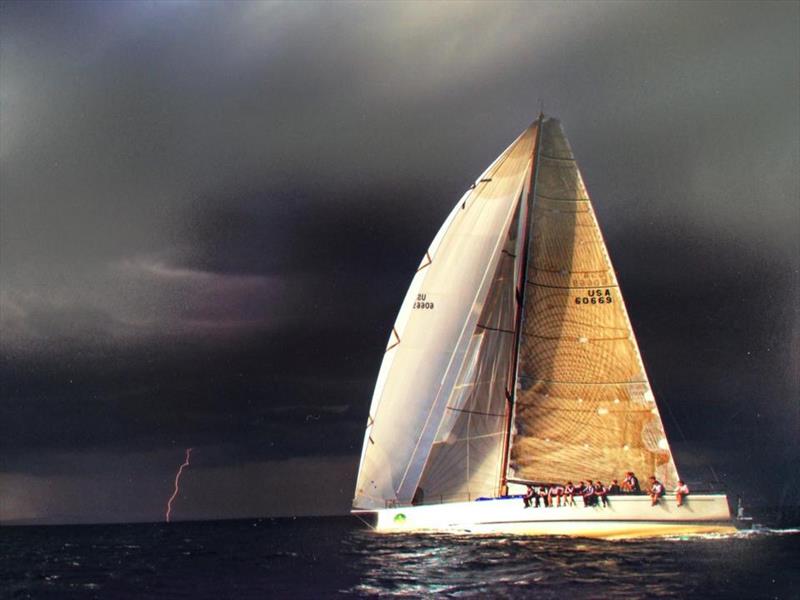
(570, 287)
(559, 337)
(562, 199)
(570, 441)
(566, 271)
(536, 380)
(557, 157)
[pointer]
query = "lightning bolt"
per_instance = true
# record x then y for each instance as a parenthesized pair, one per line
(177, 482)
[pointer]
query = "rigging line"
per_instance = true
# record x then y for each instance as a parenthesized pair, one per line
(363, 520)
(474, 412)
(468, 438)
(683, 436)
(495, 329)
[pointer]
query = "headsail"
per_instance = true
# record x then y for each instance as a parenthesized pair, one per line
(584, 406)
(466, 459)
(434, 331)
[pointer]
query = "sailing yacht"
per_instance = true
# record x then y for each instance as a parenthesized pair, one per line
(513, 362)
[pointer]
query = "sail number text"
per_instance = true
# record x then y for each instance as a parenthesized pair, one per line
(596, 296)
(423, 303)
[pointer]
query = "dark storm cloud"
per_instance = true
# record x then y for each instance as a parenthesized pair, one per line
(210, 212)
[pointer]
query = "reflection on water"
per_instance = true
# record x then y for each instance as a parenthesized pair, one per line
(336, 557)
(741, 564)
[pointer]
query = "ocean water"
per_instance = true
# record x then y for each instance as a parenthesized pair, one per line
(340, 558)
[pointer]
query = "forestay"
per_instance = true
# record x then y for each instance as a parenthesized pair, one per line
(435, 334)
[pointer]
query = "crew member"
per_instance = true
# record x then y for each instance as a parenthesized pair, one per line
(555, 494)
(681, 492)
(543, 495)
(613, 489)
(589, 498)
(569, 494)
(528, 497)
(656, 490)
(631, 484)
(601, 492)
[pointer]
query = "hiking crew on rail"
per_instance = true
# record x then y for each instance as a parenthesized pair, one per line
(597, 494)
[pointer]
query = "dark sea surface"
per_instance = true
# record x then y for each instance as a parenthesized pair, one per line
(339, 557)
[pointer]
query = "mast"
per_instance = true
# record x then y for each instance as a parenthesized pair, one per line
(520, 297)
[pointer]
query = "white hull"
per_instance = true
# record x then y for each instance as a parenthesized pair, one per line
(625, 517)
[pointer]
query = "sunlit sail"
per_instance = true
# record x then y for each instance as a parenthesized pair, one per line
(513, 361)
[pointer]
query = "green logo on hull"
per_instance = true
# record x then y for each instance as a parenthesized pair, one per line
(399, 518)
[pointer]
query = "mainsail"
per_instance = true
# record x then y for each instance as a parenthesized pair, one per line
(464, 356)
(584, 407)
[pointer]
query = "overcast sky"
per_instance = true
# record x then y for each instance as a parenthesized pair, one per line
(209, 214)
